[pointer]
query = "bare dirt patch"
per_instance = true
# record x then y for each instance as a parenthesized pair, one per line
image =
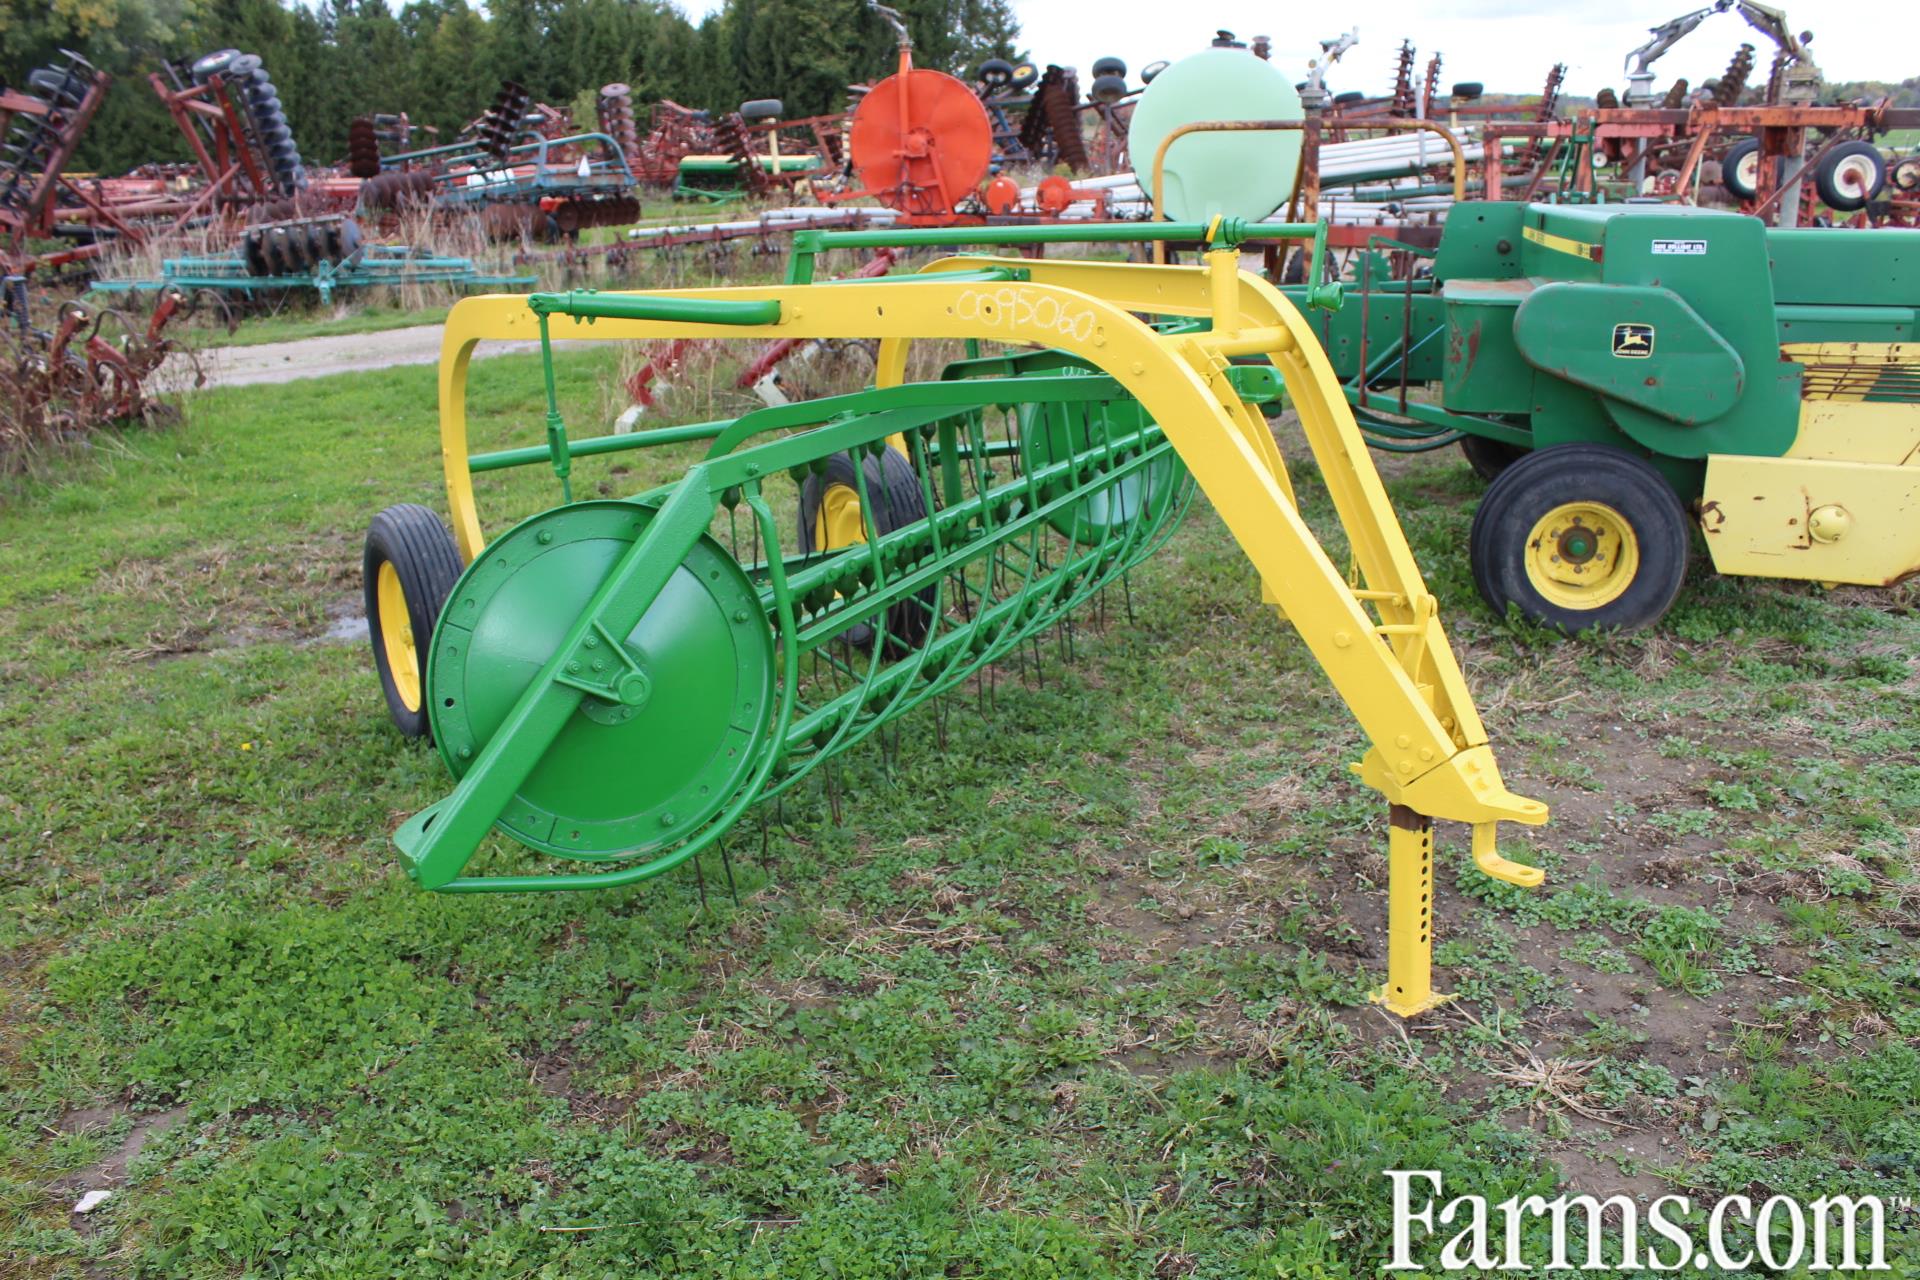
(109, 1172)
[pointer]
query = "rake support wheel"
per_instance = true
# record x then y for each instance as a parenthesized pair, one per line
(408, 567)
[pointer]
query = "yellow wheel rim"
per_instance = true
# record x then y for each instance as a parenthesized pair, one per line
(838, 522)
(396, 637)
(1582, 555)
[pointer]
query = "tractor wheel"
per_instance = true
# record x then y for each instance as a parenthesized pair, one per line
(1580, 536)
(1850, 176)
(409, 568)
(995, 72)
(1109, 67)
(1740, 169)
(831, 518)
(1489, 458)
(1906, 174)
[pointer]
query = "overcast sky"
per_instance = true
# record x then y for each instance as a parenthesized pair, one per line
(1507, 44)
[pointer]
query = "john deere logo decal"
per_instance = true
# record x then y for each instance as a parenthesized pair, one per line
(1634, 341)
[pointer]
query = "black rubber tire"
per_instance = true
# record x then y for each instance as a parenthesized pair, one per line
(1342, 99)
(1730, 169)
(763, 109)
(1547, 478)
(1489, 458)
(1109, 67)
(1107, 89)
(1025, 75)
(1906, 174)
(902, 503)
(995, 72)
(1469, 89)
(415, 542)
(1826, 176)
(1151, 72)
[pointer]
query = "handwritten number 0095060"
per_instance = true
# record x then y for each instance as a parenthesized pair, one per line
(1020, 308)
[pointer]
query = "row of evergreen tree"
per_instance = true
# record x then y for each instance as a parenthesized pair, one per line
(441, 61)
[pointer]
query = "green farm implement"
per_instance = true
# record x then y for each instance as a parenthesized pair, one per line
(616, 682)
(391, 266)
(1623, 374)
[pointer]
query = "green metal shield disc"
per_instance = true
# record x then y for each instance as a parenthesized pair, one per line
(1054, 432)
(1238, 175)
(624, 777)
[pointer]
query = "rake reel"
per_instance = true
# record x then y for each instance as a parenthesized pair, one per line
(616, 682)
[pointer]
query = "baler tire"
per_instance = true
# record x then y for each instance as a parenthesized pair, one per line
(893, 480)
(1510, 554)
(1489, 458)
(425, 564)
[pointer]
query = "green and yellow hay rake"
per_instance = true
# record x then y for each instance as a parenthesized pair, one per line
(616, 682)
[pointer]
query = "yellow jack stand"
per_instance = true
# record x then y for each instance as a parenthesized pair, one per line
(1409, 988)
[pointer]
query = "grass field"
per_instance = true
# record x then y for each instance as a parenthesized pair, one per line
(1082, 994)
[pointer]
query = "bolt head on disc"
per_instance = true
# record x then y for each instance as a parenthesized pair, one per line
(940, 155)
(645, 767)
(1237, 175)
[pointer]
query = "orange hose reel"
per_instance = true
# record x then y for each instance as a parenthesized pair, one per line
(921, 141)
